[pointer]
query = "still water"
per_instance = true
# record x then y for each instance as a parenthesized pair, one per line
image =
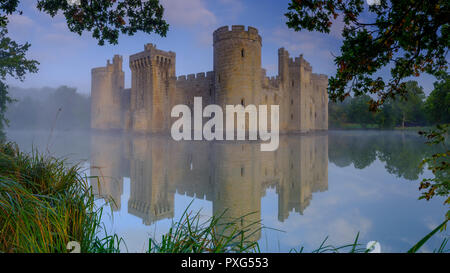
(333, 184)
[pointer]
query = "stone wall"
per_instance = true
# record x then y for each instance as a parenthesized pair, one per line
(238, 78)
(106, 103)
(152, 86)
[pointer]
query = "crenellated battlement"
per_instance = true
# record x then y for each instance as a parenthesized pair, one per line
(195, 77)
(98, 70)
(115, 66)
(236, 32)
(299, 62)
(151, 56)
(269, 81)
(320, 79)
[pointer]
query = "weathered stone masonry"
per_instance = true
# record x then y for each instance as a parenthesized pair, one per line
(238, 78)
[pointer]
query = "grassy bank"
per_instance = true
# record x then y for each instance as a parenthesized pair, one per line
(46, 203)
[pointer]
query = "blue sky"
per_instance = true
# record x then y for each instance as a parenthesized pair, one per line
(67, 58)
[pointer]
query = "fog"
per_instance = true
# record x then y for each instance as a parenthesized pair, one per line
(61, 108)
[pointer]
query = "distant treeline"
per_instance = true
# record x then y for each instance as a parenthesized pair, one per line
(415, 110)
(61, 108)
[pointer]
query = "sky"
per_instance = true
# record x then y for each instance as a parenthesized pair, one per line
(67, 58)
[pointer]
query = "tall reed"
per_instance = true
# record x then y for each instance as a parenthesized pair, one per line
(44, 204)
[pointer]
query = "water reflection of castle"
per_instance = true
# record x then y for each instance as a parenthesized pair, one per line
(233, 175)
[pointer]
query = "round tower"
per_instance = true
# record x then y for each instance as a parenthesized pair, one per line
(237, 65)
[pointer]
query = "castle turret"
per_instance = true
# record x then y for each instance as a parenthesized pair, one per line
(106, 88)
(152, 86)
(320, 84)
(237, 65)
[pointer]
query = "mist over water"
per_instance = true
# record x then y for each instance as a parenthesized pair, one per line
(61, 108)
(331, 184)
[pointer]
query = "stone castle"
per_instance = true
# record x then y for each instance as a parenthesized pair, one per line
(237, 78)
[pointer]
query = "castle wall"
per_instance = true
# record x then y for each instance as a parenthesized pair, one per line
(153, 84)
(320, 85)
(106, 86)
(238, 78)
(195, 85)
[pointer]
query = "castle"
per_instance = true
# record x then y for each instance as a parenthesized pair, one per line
(237, 78)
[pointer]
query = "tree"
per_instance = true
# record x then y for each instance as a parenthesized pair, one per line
(437, 105)
(13, 63)
(105, 19)
(358, 111)
(410, 106)
(337, 113)
(386, 118)
(408, 36)
(439, 164)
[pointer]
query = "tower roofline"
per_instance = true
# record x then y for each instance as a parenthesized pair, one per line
(236, 32)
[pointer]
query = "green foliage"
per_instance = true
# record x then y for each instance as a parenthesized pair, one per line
(439, 164)
(409, 36)
(410, 107)
(192, 235)
(106, 19)
(13, 63)
(357, 111)
(354, 247)
(419, 244)
(409, 110)
(44, 204)
(437, 105)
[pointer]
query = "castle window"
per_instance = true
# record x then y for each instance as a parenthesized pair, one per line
(242, 53)
(242, 102)
(292, 116)
(242, 171)
(292, 83)
(210, 91)
(292, 101)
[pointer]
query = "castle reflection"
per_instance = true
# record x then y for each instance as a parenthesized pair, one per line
(234, 176)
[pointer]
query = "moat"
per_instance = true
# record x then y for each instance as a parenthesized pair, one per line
(335, 184)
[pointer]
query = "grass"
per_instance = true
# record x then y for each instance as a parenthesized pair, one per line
(45, 203)
(192, 235)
